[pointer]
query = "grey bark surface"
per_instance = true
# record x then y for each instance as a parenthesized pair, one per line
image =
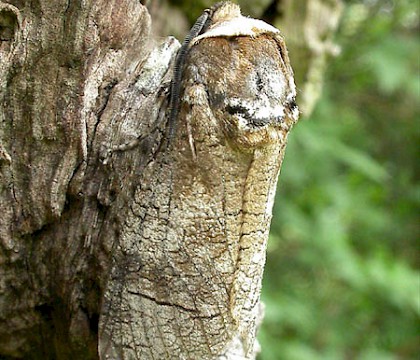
(111, 245)
(309, 27)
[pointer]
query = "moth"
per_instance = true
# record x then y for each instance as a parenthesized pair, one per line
(224, 21)
(186, 278)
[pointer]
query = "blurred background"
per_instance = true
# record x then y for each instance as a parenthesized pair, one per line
(342, 278)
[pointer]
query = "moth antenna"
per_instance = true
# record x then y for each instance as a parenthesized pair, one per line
(198, 27)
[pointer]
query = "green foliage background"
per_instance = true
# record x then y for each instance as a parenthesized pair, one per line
(342, 279)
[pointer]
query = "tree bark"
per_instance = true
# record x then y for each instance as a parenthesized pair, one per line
(114, 237)
(309, 27)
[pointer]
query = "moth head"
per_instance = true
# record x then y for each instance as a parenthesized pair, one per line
(224, 11)
(244, 66)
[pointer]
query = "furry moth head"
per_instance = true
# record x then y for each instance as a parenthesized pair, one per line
(244, 67)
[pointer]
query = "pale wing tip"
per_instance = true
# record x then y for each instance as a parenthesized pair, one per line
(238, 26)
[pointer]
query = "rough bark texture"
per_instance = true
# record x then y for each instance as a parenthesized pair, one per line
(59, 68)
(137, 248)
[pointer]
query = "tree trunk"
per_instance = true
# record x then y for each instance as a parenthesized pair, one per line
(114, 235)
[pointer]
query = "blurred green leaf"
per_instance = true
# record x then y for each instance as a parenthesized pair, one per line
(393, 61)
(342, 277)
